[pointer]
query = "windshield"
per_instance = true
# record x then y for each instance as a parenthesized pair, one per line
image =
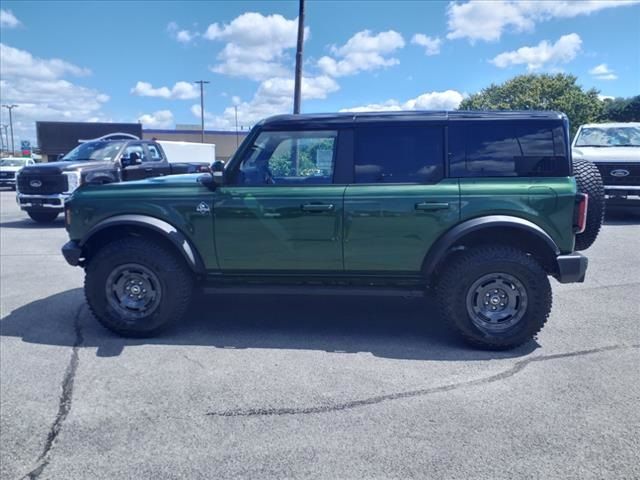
(609, 137)
(99, 150)
(12, 162)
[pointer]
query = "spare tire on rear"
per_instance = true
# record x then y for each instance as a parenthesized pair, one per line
(589, 181)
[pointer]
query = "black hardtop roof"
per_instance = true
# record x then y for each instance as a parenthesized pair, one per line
(313, 119)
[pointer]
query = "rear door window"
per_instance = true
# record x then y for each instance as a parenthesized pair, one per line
(507, 149)
(399, 154)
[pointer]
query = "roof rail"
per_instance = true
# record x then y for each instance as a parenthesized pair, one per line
(112, 136)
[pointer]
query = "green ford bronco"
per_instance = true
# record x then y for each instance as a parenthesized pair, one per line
(479, 208)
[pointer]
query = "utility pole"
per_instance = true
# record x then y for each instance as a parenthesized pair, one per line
(236, 109)
(202, 84)
(10, 108)
(298, 79)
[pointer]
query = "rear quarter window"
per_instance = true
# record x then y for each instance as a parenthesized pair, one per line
(508, 149)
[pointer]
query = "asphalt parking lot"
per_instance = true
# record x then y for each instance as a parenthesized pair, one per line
(305, 386)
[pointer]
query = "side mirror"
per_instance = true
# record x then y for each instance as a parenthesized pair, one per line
(217, 172)
(131, 160)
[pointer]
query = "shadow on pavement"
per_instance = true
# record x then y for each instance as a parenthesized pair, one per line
(621, 216)
(30, 224)
(389, 327)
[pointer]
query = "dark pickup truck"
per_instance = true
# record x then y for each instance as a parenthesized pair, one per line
(42, 189)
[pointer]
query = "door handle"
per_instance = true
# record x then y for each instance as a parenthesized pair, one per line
(317, 207)
(149, 169)
(432, 206)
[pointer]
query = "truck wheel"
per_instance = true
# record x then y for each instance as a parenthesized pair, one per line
(589, 181)
(43, 217)
(495, 297)
(135, 287)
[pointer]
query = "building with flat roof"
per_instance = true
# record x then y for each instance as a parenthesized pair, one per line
(59, 138)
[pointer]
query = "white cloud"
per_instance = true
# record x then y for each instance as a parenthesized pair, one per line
(605, 97)
(603, 72)
(256, 45)
(431, 45)
(8, 19)
(488, 20)
(16, 62)
(180, 91)
(545, 53)
(159, 119)
(37, 86)
(446, 100)
(362, 52)
(274, 96)
(181, 35)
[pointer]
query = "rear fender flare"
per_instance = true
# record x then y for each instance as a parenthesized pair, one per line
(448, 239)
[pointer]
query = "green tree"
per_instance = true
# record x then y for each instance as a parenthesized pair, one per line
(540, 92)
(622, 109)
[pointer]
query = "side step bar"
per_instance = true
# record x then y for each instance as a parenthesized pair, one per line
(312, 290)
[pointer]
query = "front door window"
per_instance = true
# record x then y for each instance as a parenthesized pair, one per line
(290, 158)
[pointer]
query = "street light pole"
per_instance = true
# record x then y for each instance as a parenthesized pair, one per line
(298, 79)
(5, 127)
(10, 108)
(236, 109)
(202, 83)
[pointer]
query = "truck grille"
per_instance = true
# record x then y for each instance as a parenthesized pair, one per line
(36, 184)
(632, 178)
(4, 175)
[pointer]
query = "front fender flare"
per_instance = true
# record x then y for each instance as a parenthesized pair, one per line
(439, 249)
(171, 233)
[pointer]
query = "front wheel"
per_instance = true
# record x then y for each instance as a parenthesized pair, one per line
(43, 217)
(135, 287)
(497, 297)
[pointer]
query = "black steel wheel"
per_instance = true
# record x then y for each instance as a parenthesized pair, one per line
(135, 287)
(496, 297)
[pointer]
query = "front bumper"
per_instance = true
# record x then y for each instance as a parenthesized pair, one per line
(72, 253)
(54, 202)
(572, 268)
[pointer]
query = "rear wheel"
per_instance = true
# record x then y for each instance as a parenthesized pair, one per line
(43, 217)
(589, 181)
(495, 297)
(135, 287)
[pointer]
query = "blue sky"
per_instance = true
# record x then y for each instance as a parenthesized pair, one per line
(135, 61)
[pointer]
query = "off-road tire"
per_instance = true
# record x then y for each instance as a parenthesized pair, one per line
(589, 181)
(460, 274)
(43, 217)
(175, 279)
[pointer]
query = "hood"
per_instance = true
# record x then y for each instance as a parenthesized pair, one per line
(188, 180)
(603, 154)
(52, 168)
(10, 169)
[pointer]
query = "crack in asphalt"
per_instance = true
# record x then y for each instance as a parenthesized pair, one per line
(516, 368)
(64, 405)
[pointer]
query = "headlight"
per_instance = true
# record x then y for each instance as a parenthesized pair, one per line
(73, 180)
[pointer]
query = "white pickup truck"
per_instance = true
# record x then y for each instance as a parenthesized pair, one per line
(615, 149)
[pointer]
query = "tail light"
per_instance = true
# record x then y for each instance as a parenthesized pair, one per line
(581, 212)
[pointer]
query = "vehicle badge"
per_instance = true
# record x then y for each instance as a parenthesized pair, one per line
(619, 172)
(203, 208)
(35, 183)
